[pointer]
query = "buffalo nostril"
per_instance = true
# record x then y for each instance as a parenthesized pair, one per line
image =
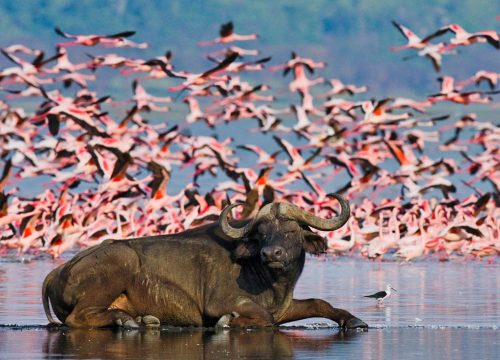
(266, 252)
(274, 253)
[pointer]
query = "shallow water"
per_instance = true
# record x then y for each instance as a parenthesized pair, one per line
(441, 311)
(390, 343)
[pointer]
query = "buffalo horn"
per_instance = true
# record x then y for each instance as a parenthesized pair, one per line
(238, 233)
(293, 212)
(232, 232)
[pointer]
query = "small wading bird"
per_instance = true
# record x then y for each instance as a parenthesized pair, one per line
(381, 295)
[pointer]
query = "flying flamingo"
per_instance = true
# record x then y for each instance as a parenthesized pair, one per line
(234, 67)
(414, 41)
(22, 49)
(25, 71)
(450, 93)
(489, 77)
(339, 88)
(234, 49)
(377, 112)
(64, 64)
(145, 101)
(92, 40)
(227, 35)
(464, 38)
(195, 80)
(111, 60)
(195, 112)
(434, 52)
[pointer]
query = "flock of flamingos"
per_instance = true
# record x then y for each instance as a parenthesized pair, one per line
(422, 178)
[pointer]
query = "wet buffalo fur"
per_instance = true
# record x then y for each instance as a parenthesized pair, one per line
(198, 277)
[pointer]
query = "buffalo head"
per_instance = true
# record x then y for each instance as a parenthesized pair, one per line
(280, 232)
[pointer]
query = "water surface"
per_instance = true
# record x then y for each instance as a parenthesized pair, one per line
(441, 311)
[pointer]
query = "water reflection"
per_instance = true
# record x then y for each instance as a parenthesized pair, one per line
(261, 344)
(388, 343)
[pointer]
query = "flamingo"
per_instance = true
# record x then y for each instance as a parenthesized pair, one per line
(145, 101)
(376, 112)
(235, 67)
(26, 72)
(264, 159)
(227, 35)
(339, 88)
(464, 38)
(434, 52)
(14, 48)
(57, 107)
(490, 77)
(412, 251)
(72, 78)
(91, 40)
(414, 41)
(195, 112)
(64, 64)
(195, 80)
(111, 60)
(343, 245)
(234, 49)
(450, 93)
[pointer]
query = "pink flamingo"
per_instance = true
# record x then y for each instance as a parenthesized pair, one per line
(91, 40)
(434, 52)
(227, 35)
(339, 88)
(464, 38)
(414, 41)
(489, 77)
(196, 80)
(234, 49)
(145, 101)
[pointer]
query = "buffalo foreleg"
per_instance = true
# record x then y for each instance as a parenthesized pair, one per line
(247, 314)
(303, 309)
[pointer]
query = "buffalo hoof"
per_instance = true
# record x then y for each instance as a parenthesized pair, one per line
(148, 320)
(225, 321)
(129, 324)
(356, 323)
(151, 321)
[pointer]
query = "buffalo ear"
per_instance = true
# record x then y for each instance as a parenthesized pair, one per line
(313, 243)
(245, 249)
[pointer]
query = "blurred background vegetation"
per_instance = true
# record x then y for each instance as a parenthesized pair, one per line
(353, 36)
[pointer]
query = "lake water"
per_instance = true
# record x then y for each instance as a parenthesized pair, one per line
(447, 310)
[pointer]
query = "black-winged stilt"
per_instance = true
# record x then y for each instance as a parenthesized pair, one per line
(381, 295)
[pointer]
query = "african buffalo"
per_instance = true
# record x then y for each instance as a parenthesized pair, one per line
(217, 274)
